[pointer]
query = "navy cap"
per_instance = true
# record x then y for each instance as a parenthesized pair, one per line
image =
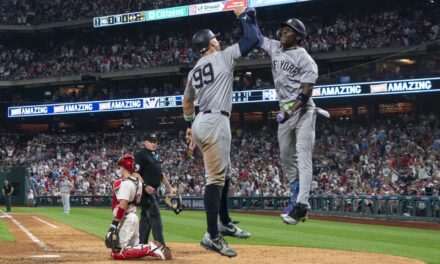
(151, 137)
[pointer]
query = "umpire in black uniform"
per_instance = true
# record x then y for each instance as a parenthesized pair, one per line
(7, 192)
(150, 169)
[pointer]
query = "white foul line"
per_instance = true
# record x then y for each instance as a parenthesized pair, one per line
(27, 232)
(46, 256)
(47, 223)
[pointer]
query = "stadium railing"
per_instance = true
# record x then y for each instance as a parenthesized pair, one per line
(416, 208)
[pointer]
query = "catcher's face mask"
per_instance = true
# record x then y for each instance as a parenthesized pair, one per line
(118, 172)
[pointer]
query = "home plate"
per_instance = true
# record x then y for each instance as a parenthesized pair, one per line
(5, 216)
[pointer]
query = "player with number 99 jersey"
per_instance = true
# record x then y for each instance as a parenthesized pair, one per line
(210, 82)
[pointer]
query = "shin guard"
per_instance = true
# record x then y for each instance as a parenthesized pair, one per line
(152, 249)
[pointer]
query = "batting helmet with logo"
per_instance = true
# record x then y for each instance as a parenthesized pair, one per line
(296, 25)
(201, 39)
(127, 162)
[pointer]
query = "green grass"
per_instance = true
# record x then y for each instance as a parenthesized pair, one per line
(189, 226)
(5, 235)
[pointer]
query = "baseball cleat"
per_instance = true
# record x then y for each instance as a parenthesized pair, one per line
(167, 253)
(299, 213)
(232, 230)
(289, 209)
(218, 245)
(283, 215)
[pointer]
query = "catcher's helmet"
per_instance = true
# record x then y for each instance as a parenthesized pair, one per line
(201, 39)
(127, 162)
(296, 25)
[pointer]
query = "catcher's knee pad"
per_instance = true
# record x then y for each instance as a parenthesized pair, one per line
(117, 256)
(135, 252)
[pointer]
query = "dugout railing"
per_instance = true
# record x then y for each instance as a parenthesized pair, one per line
(419, 208)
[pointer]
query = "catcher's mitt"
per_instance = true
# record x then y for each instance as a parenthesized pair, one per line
(175, 203)
(112, 238)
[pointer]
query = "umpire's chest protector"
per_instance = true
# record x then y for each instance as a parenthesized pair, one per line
(150, 168)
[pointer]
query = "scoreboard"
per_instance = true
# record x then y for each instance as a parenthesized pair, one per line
(119, 19)
(183, 11)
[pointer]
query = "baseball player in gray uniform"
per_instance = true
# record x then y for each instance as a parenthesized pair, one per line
(294, 73)
(210, 81)
(65, 187)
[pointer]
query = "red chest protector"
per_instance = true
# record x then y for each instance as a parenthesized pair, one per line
(116, 186)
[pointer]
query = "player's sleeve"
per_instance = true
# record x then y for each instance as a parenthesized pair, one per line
(123, 192)
(269, 45)
(231, 55)
(251, 34)
(309, 69)
(250, 39)
(189, 89)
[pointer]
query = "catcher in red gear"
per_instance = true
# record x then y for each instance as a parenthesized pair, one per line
(123, 235)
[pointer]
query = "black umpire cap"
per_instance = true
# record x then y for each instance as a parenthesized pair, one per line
(151, 137)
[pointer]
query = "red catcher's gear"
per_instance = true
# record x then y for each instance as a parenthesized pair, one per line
(127, 162)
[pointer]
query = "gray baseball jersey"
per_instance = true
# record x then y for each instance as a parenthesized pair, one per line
(289, 70)
(210, 81)
(65, 187)
(296, 137)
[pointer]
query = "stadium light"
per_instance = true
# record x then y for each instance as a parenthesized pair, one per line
(406, 61)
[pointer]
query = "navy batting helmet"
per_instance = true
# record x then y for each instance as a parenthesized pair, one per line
(201, 39)
(296, 25)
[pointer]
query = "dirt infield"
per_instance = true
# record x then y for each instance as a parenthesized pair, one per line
(62, 243)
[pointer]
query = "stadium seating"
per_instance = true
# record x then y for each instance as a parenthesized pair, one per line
(399, 155)
(109, 53)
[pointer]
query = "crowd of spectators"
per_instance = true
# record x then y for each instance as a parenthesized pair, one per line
(32, 12)
(139, 88)
(108, 53)
(399, 155)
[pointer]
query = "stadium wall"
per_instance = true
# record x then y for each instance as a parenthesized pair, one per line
(17, 178)
(408, 208)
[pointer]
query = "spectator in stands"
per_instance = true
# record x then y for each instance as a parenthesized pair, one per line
(96, 54)
(255, 159)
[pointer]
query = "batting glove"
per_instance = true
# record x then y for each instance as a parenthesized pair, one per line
(282, 117)
(252, 14)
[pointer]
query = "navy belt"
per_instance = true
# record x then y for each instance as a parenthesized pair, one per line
(221, 112)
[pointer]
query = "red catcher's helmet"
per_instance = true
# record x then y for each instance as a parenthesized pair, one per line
(127, 162)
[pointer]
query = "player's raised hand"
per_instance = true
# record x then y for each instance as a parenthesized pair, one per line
(252, 14)
(239, 10)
